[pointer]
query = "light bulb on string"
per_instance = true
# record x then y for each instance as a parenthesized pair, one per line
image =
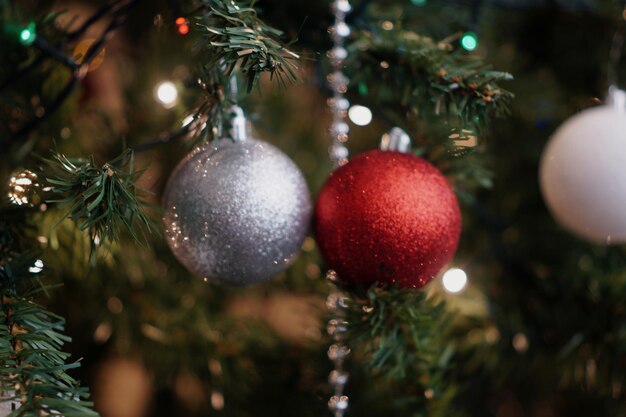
(454, 280)
(22, 187)
(469, 41)
(182, 25)
(37, 267)
(166, 94)
(194, 123)
(360, 115)
(28, 35)
(187, 120)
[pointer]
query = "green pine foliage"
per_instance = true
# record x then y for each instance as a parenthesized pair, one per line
(431, 77)
(397, 334)
(235, 38)
(34, 377)
(34, 368)
(540, 331)
(101, 200)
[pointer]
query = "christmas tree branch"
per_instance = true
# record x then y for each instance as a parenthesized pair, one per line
(237, 39)
(33, 372)
(397, 333)
(430, 77)
(100, 199)
(33, 368)
(236, 44)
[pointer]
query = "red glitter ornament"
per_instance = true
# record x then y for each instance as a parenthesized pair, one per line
(387, 217)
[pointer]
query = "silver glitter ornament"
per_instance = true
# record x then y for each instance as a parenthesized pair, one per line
(236, 214)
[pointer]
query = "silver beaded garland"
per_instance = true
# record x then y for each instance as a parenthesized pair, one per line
(338, 82)
(338, 351)
(338, 153)
(236, 213)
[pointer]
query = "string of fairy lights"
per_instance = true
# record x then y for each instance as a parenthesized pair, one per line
(166, 92)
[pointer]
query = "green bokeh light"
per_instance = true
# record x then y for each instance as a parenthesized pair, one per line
(28, 34)
(363, 89)
(469, 41)
(418, 2)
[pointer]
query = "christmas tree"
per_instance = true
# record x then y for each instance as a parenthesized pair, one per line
(196, 218)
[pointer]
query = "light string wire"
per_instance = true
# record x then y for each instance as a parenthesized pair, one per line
(338, 153)
(119, 11)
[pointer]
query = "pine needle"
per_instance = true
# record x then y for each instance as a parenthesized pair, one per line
(100, 200)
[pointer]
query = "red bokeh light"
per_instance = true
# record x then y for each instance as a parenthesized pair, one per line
(183, 25)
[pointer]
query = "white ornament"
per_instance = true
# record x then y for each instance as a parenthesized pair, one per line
(583, 174)
(8, 403)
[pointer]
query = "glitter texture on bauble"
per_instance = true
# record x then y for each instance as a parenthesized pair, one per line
(387, 217)
(237, 213)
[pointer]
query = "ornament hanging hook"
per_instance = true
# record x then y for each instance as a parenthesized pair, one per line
(234, 88)
(238, 124)
(616, 98)
(615, 55)
(396, 140)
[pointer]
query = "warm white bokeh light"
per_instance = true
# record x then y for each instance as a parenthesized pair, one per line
(360, 115)
(37, 267)
(167, 94)
(187, 120)
(454, 280)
